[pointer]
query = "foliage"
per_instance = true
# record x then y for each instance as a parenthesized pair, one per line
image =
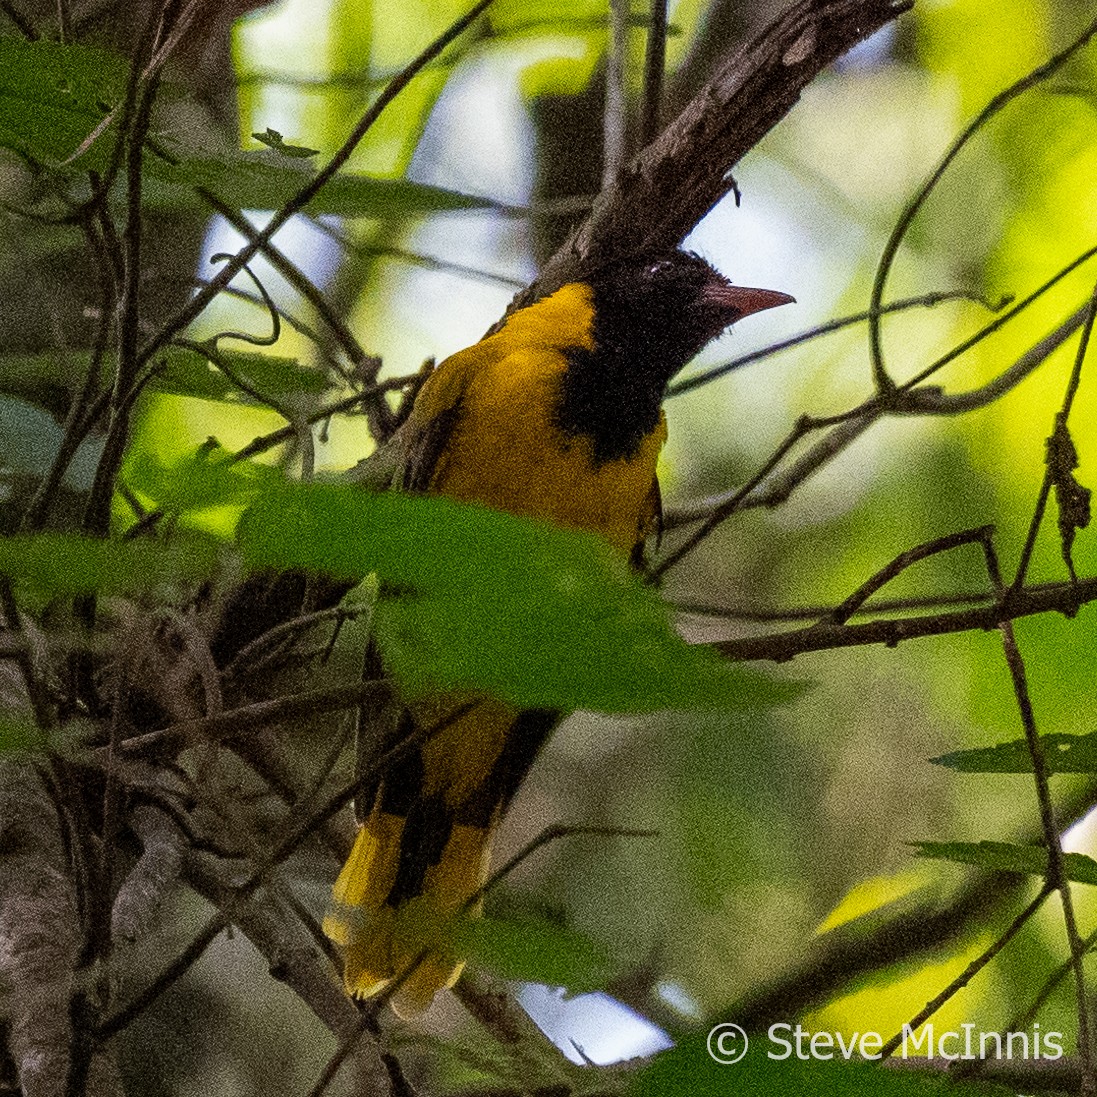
(771, 800)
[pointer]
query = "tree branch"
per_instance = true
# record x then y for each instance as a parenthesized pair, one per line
(780, 647)
(666, 190)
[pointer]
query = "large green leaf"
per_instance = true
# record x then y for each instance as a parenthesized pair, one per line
(1063, 753)
(52, 97)
(45, 565)
(690, 1070)
(266, 181)
(1005, 857)
(180, 371)
(185, 372)
(489, 601)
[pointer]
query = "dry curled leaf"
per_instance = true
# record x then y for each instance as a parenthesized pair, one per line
(1071, 496)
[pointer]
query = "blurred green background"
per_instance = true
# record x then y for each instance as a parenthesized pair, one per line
(766, 825)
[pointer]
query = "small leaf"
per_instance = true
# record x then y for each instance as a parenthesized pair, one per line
(1005, 857)
(534, 951)
(1063, 753)
(185, 372)
(273, 139)
(181, 372)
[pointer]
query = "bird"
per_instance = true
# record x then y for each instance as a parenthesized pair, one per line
(557, 416)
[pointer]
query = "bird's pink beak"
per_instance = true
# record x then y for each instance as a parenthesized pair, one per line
(742, 300)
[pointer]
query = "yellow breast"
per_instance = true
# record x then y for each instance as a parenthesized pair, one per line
(506, 449)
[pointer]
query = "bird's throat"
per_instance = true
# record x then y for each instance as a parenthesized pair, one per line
(611, 400)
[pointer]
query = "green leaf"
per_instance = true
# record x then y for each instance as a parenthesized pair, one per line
(273, 139)
(53, 96)
(1063, 753)
(690, 1071)
(525, 611)
(187, 373)
(182, 372)
(199, 482)
(1005, 857)
(266, 181)
(536, 951)
(46, 566)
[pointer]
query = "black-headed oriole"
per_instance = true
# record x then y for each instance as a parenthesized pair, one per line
(557, 416)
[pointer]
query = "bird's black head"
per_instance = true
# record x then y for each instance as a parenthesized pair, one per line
(662, 309)
(652, 314)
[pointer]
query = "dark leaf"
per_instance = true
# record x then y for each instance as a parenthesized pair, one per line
(53, 96)
(273, 139)
(1005, 857)
(1071, 496)
(1063, 754)
(266, 181)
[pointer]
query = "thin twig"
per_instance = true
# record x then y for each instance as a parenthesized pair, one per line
(97, 511)
(729, 506)
(286, 629)
(927, 300)
(296, 277)
(286, 434)
(909, 404)
(1060, 422)
(296, 836)
(1056, 873)
(1023, 1020)
(430, 262)
(301, 199)
(883, 381)
(775, 487)
(662, 193)
(553, 833)
(259, 714)
(762, 614)
(969, 973)
(655, 63)
(614, 116)
(841, 958)
(780, 647)
(840, 614)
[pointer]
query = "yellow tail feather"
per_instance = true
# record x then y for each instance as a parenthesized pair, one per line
(380, 942)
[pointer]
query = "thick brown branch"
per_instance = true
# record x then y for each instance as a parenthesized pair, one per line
(677, 179)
